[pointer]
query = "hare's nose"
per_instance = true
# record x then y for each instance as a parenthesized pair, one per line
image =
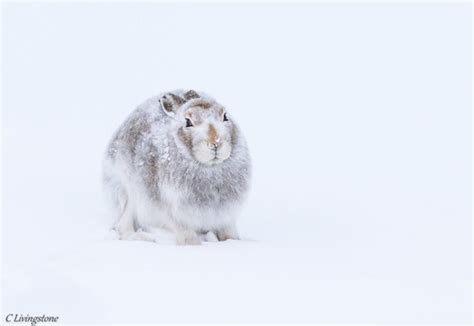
(214, 144)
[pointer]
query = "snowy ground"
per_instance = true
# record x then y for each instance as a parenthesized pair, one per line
(359, 128)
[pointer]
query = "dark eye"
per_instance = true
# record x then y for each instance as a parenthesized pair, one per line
(225, 117)
(188, 123)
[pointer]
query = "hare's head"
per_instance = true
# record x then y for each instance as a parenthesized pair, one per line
(202, 125)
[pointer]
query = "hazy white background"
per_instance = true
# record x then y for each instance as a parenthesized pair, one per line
(358, 117)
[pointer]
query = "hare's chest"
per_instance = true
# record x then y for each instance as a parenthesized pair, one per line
(199, 208)
(209, 193)
(198, 193)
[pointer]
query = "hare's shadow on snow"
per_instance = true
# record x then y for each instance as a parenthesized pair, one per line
(163, 237)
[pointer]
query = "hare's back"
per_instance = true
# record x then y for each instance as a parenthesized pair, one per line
(136, 132)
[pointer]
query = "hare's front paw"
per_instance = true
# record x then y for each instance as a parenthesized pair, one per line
(210, 237)
(188, 238)
(227, 234)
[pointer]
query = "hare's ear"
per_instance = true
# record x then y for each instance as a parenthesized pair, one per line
(190, 95)
(171, 102)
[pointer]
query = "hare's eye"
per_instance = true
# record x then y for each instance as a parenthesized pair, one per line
(189, 123)
(225, 117)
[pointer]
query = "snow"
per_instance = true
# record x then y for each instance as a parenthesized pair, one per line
(360, 209)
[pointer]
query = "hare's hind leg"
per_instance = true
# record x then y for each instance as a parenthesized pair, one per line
(126, 226)
(124, 210)
(122, 206)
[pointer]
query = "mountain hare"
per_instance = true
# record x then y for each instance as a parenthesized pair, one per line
(179, 162)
